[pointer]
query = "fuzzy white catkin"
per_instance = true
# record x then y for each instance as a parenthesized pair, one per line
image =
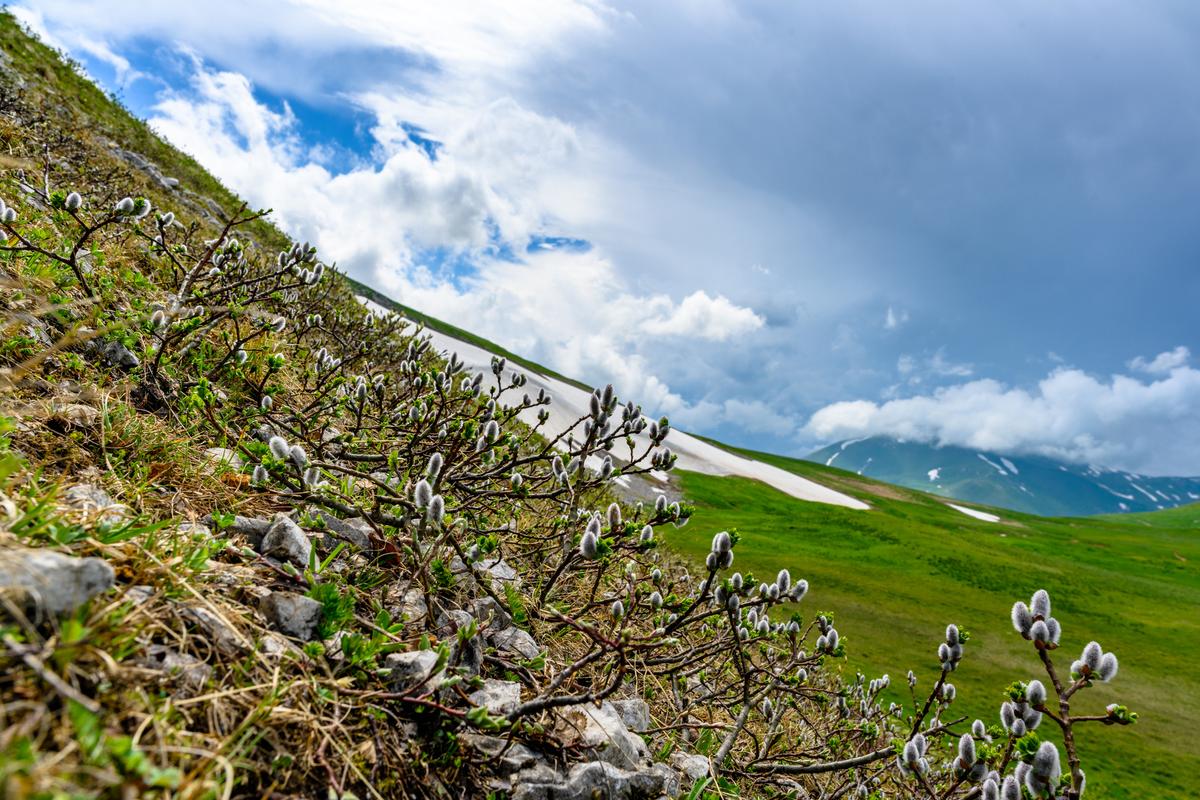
(1039, 605)
(422, 493)
(73, 202)
(1022, 619)
(279, 448)
(437, 509)
(587, 545)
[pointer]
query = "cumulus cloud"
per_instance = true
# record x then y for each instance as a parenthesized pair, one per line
(703, 317)
(1162, 363)
(1142, 425)
(569, 309)
(575, 118)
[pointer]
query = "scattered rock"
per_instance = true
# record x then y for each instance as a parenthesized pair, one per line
(634, 713)
(94, 502)
(253, 529)
(490, 613)
(52, 582)
(603, 730)
(501, 571)
(294, 614)
(414, 670)
(595, 779)
(223, 635)
(223, 456)
(504, 755)
(466, 655)
(693, 767)
(356, 530)
(118, 355)
(140, 162)
(407, 602)
(77, 415)
(515, 641)
(284, 539)
(139, 595)
(498, 697)
(274, 646)
(191, 673)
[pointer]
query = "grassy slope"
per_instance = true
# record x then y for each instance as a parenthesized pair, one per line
(104, 117)
(458, 333)
(1185, 518)
(897, 574)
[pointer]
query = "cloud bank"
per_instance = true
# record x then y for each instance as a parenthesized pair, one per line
(677, 198)
(1148, 425)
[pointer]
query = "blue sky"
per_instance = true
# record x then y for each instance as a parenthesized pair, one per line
(781, 224)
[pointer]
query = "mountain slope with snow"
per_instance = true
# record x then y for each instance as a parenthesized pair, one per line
(1033, 484)
(570, 405)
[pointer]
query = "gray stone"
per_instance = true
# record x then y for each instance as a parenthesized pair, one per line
(196, 530)
(595, 779)
(190, 672)
(356, 530)
(118, 355)
(139, 594)
(501, 572)
(276, 646)
(634, 713)
(693, 767)
(414, 671)
(498, 697)
(490, 613)
(413, 607)
(79, 415)
(223, 456)
(52, 582)
(285, 540)
(505, 755)
(223, 635)
(602, 729)
(94, 501)
(294, 614)
(253, 529)
(465, 655)
(515, 641)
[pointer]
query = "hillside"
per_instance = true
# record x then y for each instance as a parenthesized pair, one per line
(886, 573)
(1033, 484)
(258, 539)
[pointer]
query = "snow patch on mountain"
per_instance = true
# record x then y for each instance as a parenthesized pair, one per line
(570, 403)
(971, 512)
(991, 463)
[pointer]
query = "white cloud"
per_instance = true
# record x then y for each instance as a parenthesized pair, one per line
(571, 310)
(893, 319)
(703, 317)
(1148, 426)
(1162, 363)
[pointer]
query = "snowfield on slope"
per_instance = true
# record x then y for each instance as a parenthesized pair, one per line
(971, 512)
(570, 403)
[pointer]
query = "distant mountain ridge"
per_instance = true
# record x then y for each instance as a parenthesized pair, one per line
(1033, 484)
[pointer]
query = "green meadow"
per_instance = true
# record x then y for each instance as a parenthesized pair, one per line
(894, 577)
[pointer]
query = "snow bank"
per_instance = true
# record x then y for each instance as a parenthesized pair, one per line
(570, 404)
(971, 512)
